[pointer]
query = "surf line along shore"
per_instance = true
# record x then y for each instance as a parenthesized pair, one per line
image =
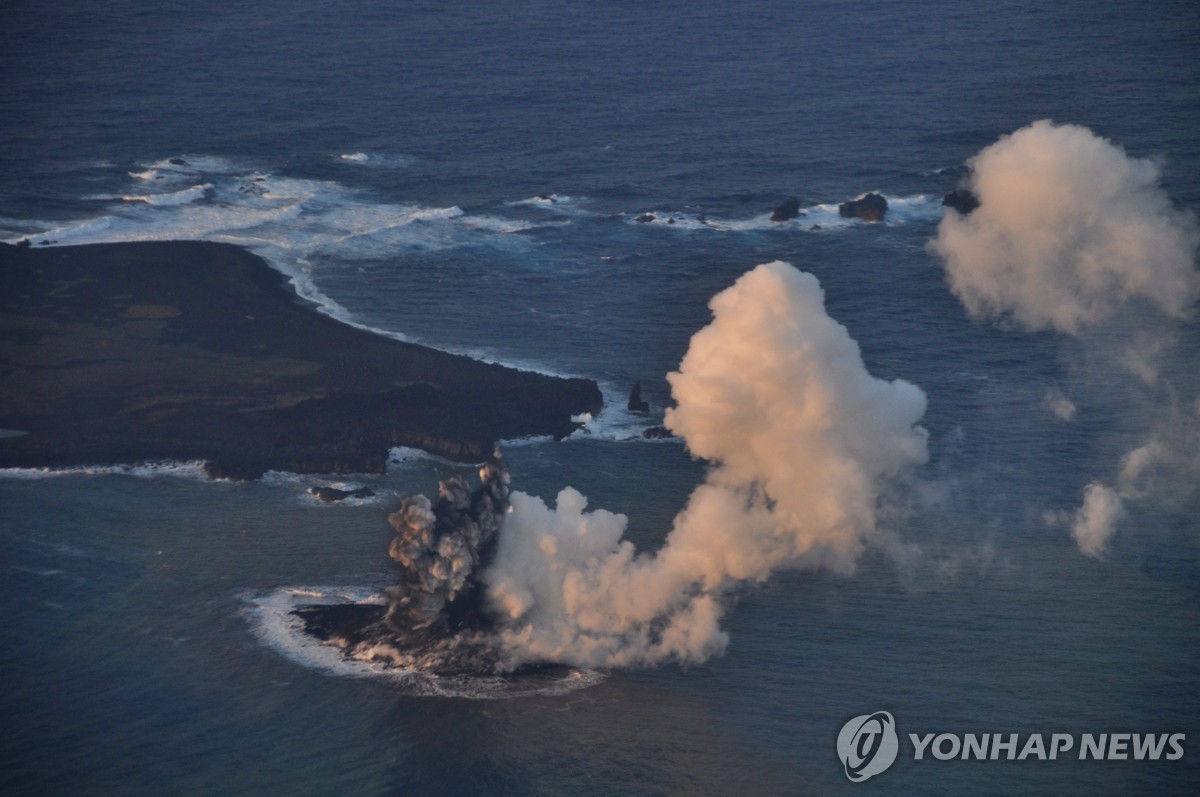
(187, 350)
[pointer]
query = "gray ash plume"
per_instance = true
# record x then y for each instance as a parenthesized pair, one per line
(441, 546)
(434, 619)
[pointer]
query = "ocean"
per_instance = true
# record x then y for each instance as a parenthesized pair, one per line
(563, 186)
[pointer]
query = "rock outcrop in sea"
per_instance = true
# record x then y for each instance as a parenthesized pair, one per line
(786, 210)
(962, 200)
(868, 207)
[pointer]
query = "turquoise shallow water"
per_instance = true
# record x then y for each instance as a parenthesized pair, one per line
(391, 161)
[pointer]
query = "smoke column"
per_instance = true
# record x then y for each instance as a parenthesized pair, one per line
(439, 546)
(1071, 232)
(1068, 229)
(801, 442)
(433, 620)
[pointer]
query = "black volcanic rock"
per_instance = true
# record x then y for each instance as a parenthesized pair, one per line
(351, 622)
(962, 200)
(332, 494)
(125, 353)
(868, 207)
(361, 632)
(636, 404)
(786, 211)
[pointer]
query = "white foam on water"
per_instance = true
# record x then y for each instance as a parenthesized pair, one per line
(405, 457)
(904, 209)
(479, 354)
(193, 469)
(661, 218)
(300, 218)
(525, 442)
(559, 204)
(183, 168)
(616, 423)
(550, 201)
(296, 224)
(704, 221)
(292, 222)
(504, 688)
(416, 213)
(302, 482)
(374, 159)
(824, 215)
(72, 551)
(144, 221)
(500, 225)
(272, 622)
(34, 571)
(350, 500)
(759, 222)
(45, 232)
(181, 197)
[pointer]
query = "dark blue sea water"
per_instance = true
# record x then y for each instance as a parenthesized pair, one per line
(471, 176)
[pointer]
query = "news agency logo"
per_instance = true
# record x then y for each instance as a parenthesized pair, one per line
(867, 745)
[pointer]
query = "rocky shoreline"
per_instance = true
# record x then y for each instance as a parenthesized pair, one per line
(144, 351)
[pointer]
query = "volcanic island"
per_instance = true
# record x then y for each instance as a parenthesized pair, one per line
(188, 350)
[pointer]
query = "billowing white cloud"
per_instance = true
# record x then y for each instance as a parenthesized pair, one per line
(1068, 229)
(801, 440)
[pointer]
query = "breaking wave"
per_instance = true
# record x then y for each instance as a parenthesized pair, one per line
(192, 469)
(181, 197)
(822, 216)
(375, 159)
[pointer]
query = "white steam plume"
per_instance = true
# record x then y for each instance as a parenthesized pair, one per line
(801, 441)
(1095, 522)
(1069, 230)
(1057, 402)
(1163, 467)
